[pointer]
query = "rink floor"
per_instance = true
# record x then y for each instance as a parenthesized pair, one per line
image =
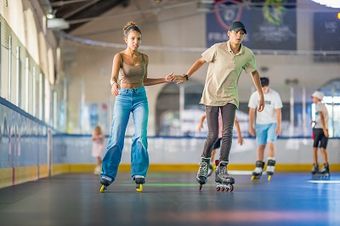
(172, 199)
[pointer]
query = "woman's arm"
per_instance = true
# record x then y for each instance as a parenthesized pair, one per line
(117, 59)
(154, 81)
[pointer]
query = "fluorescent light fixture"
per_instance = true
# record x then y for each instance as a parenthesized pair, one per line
(57, 24)
(50, 15)
(329, 3)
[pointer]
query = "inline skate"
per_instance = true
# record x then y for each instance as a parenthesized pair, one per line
(203, 171)
(257, 173)
(224, 182)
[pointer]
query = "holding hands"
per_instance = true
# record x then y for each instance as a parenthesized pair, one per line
(179, 79)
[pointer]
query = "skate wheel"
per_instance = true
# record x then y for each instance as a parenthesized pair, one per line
(102, 188)
(269, 177)
(252, 178)
(139, 188)
(201, 186)
(228, 188)
(218, 188)
(231, 188)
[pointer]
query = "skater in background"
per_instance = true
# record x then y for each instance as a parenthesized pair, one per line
(267, 126)
(220, 95)
(320, 134)
(97, 147)
(217, 144)
(128, 78)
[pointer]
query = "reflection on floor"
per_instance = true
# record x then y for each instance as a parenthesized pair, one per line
(172, 199)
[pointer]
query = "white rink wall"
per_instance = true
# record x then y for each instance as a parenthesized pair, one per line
(188, 150)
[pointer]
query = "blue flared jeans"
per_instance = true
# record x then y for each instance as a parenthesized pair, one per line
(134, 102)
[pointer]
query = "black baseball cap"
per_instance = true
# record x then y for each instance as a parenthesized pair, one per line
(236, 26)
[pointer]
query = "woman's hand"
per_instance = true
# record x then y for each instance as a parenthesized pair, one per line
(115, 89)
(169, 77)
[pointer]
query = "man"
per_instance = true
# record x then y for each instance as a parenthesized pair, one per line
(220, 95)
(268, 127)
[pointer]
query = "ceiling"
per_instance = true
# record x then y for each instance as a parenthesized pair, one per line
(79, 12)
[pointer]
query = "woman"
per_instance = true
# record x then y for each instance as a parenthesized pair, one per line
(128, 87)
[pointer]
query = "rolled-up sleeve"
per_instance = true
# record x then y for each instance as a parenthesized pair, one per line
(251, 65)
(209, 54)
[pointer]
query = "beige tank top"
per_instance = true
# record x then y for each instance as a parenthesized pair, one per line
(133, 74)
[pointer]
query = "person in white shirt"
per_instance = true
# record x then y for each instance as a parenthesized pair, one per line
(267, 126)
(320, 133)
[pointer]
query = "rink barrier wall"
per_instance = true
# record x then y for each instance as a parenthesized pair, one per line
(24, 157)
(10, 176)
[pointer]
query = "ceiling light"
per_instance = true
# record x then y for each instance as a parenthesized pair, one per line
(328, 3)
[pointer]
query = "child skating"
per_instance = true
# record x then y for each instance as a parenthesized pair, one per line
(320, 137)
(267, 127)
(97, 148)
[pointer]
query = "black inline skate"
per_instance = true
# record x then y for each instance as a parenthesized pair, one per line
(320, 175)
(139, 180)
(224, 182)
(257, 173)
(105, 182)
(324, 173)
(210, 170)
(270, 168)
(315, 169)
(203, 171)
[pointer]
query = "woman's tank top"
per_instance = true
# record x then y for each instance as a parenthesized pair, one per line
(133, 74)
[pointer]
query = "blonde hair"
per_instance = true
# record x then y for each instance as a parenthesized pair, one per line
(131, 26)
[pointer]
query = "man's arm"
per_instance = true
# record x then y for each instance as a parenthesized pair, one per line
(323, 124)
(251, 129)
(200, 124)
(278, 121)
(194, 67)
(238, 130)
(257, 83)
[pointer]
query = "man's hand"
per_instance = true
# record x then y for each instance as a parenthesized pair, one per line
(251, 131)
(278, 130)
(240, 140)
(179, 79)
(261, 104)
(325, 131)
